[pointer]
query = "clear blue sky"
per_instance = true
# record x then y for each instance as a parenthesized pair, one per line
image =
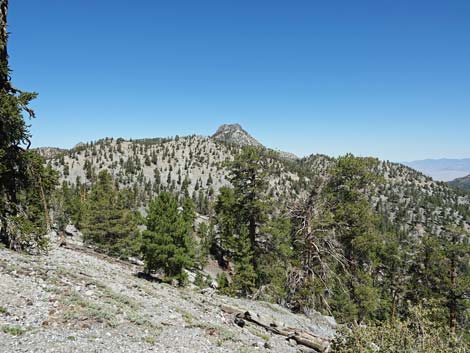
(387, 78)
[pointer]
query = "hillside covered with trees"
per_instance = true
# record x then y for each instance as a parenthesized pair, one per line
(461, 183)
(362, 240)
(372, 249)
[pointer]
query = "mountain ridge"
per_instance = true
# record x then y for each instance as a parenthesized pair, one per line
(461, 183)
(442, 169)
(198, 165)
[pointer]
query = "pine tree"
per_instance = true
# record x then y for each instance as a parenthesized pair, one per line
(275, 263)
(108, 223)
(167, 241)
(23, 179)
(356, 230)
(244, 279)
(248, 175)
(396, 258)
(227, 223)
(189, 213)
(241, 214)
(441, 276)
(202, 248)
(317, 254)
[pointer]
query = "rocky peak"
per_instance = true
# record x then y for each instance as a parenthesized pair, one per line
(234, 134)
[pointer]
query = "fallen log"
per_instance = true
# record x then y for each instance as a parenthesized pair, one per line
(300, 336)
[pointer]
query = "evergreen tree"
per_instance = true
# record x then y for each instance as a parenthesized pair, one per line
(167, 241)
(396, 258)
(202, 250)
(227, 224)
(248, 175)
(70, 203)
(241, 213)
(23, 179)
(108, 223)
(275, 263)
(356, 297)
(456, 286)
(244, 279)
(189, 213)
(441, 276)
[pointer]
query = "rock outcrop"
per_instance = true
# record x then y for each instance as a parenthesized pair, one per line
(234, 134)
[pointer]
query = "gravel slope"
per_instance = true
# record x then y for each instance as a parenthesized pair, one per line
(74, 300)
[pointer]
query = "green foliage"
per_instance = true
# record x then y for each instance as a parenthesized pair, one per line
(244, 279)
(396, 258)
(202, 248)
(442, 270)
(13, 330)
(355, 226)
(241, 213)
(69, 205)
(25, 183)
(248, 176)
(26, 226)
(226, 218)
(199, 280)
(461, 183)
(167, 244)
(415, 334)
(223, 284)
(276, 260)
(107, 223)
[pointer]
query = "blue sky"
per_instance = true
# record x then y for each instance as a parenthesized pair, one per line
(387, 78)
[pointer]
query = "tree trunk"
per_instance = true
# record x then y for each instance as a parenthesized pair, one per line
(44, 204)
(393, 308)
(252, 223)
(453, 300)
(299, 335)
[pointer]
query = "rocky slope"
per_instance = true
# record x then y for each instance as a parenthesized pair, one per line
(74, 300)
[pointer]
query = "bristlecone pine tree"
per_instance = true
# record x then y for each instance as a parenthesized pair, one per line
(23, 179)
(317, 253)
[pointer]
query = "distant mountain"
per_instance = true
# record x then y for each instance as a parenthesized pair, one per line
(234, 134)
(442, 169)
(461, 183)
(197, 165)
